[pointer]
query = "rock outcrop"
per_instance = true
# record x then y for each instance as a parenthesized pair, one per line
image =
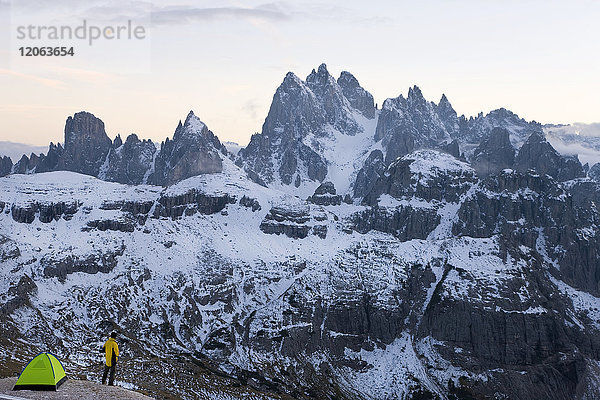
(303, 114)
(494, 154)
(5, 166)
(130, 162)
(358, 97)
(325, 195)
(86, 144)
(294, 222)
(536, 153)
(194, 150)
(406, 124)
(367, 176)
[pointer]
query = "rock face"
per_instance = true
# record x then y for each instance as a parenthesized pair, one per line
(303, 114)
(475, 130)
(5, 166)
(538, 154)
(189, 203)
(294, 222)
(358, 97)
(494, 154)
(86, 144)
(85, 150)
(594, 172)
(406, 124)
(409, 199)
(425, 174)
(325, 195)
(194, 150)
(366, 178)
(129, 162)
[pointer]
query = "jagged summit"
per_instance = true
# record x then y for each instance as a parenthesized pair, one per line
(539, 155)
(192, 127)
(494, 154)
(303, 120)
(415, 95)
(194, 150)
(358, 97)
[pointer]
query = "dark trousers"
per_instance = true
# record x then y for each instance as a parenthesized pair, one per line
(112, 374)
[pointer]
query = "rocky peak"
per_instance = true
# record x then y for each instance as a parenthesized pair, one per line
(5, 166)
(320, 78)
(334, 104)
(191, 129)
(475, 130)
(415, 96)
(536, 153)
(412, 123)
(358, 97)
(194, 150)
(118, 142)
(129, 162)
(448, 116)
(86, 144)
(299, 110)
(594, 172)
(494, 154)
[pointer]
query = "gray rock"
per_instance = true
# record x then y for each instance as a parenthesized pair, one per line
(294, 222)
(91, 264)
(594, 172)
(189, 203)
(5, 166)
(251, 203)
(412, 123)
(358, 97)
(477, 129)
(367, 176)
(494, 154)
(8, 248)
(300, 109)
(325, 195)
(438, 177)
(194, 150)
(539, 155)
(86, 144)
(129, 162)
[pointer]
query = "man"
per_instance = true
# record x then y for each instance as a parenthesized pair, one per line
(111, 350)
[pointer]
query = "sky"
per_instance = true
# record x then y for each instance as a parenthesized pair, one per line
(225, 59)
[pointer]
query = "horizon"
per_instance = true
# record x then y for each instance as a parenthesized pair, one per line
(224, 60)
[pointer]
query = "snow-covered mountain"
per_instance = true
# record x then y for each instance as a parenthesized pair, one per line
(313, 133)
(464, 265)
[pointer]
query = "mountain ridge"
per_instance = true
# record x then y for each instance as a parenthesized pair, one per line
(464, 265)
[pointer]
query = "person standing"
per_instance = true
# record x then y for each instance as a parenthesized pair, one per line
(111, 351)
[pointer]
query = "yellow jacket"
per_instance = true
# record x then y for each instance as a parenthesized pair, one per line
(112, 351)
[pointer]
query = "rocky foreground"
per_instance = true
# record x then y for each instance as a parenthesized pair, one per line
(71, 389)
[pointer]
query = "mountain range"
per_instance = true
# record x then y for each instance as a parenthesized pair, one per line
(347, 252)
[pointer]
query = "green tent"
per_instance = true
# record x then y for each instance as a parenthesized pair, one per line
(44, 372)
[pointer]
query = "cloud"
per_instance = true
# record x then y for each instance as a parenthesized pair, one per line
(578, 139)
(252, 107)
(185, 14)
(33, 78)
(85, 75)
(584, 153)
